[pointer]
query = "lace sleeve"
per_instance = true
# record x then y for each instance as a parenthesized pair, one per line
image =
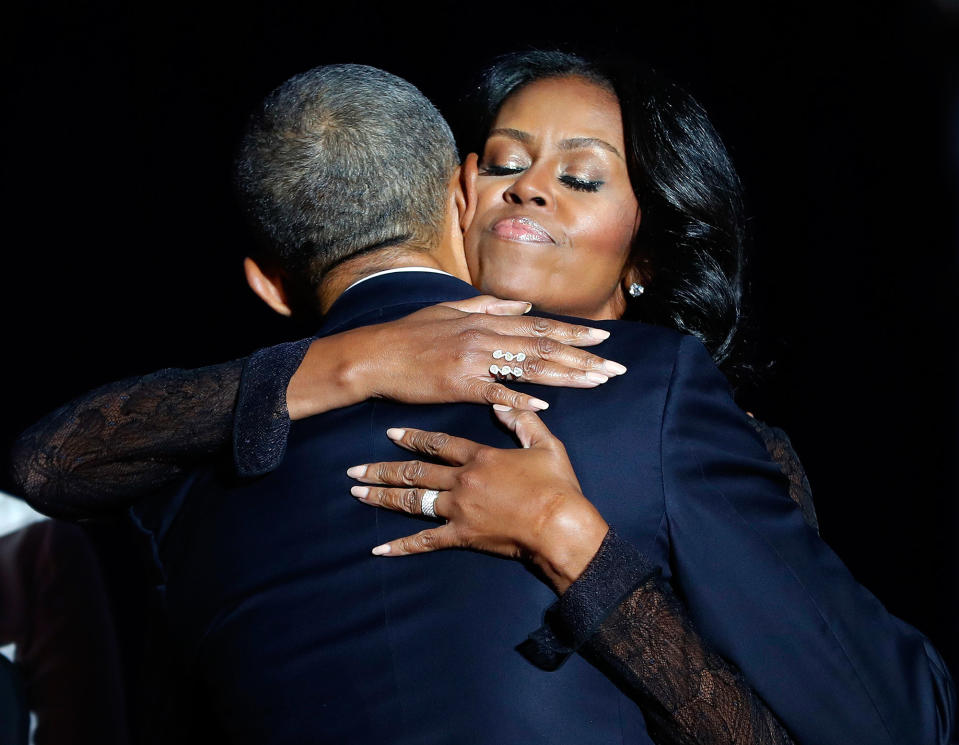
(780, 449)
(688, 694)
(103, 450)
(125, 439)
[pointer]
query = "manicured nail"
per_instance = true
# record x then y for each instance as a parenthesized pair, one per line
(380, 550)
(538, 403)
(360, 492)
(598, 334)
(356, 472)
(614, 367)
(596, 377)
(502, 407)
(509, 307)
(395, 433)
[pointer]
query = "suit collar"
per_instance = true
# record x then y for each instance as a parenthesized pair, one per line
(383, 291)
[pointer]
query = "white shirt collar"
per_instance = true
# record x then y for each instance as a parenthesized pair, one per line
(398, 269)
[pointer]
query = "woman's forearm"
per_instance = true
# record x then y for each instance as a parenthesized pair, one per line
(623, 617)
(125, 439)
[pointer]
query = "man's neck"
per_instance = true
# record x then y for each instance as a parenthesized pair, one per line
(349, 273)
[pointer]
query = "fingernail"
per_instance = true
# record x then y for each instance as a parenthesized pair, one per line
(596, 377)
(538, 403)
(395, 433)
(614, 367)
(529, 307)
(598, 334)
(502, 407)
(380, 550)
(510, 306)
(356, 472)
(360, 492)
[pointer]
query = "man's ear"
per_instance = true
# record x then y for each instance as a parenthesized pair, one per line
(466, 194)
(268, 284)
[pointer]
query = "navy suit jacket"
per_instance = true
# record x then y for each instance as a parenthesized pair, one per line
(289, 631)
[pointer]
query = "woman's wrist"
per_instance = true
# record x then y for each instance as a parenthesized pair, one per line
(570, 540)
(331, 376)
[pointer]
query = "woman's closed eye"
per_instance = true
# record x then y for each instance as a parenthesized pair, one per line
(576, 183)
(504, 170)
(580, 184)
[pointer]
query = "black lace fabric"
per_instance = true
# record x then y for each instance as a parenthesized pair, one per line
(624, 618)
(126, 439)
(780, 449)
(688, 694)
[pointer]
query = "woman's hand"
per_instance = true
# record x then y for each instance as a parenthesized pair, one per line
(443, 354)
(520, 503)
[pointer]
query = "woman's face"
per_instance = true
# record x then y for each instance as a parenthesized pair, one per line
(555, 213)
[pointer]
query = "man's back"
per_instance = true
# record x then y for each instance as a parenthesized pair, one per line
(298, 634)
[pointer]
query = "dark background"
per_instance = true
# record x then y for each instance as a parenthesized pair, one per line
(122, 242)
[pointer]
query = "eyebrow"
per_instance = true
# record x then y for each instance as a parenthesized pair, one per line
(573, 143)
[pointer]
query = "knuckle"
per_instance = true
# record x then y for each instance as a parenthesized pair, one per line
(469, 481)
(411, 500)
(534, 366)
(469, 337)
(435, 443)
(591, 362)
(545, 347)
(412, 472)
(482, 457)
(541, 325)
(526, 416)
(406, 545)
(490, 391)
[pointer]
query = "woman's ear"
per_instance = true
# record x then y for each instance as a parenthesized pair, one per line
(466, 195)
(269, 285)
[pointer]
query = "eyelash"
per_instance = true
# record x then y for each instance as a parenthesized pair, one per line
(569, 181)
(579, 184)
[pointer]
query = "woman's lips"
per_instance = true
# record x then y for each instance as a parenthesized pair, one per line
(522, 229)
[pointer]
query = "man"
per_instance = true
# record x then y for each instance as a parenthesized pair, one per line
(282, 628)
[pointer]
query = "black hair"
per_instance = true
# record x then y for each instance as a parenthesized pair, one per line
(689, 248)
(342, 160)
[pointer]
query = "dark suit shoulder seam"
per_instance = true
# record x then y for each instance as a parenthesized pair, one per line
(662, 427)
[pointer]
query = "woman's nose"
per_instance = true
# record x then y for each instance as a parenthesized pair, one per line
(527, 189)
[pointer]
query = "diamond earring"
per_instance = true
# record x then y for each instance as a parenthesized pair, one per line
(636, 289)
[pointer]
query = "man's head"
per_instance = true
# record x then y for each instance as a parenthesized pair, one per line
(340, 162)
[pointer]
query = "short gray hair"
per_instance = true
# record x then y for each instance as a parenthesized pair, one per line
(342, 160)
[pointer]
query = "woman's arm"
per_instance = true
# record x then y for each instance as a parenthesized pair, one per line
(614, 607)
(105, 449)
(114, 444)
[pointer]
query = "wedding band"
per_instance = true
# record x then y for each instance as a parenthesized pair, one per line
(428, 502)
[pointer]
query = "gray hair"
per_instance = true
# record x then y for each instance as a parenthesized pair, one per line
(343, 160)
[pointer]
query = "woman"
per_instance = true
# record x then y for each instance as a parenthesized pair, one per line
(639, 270)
